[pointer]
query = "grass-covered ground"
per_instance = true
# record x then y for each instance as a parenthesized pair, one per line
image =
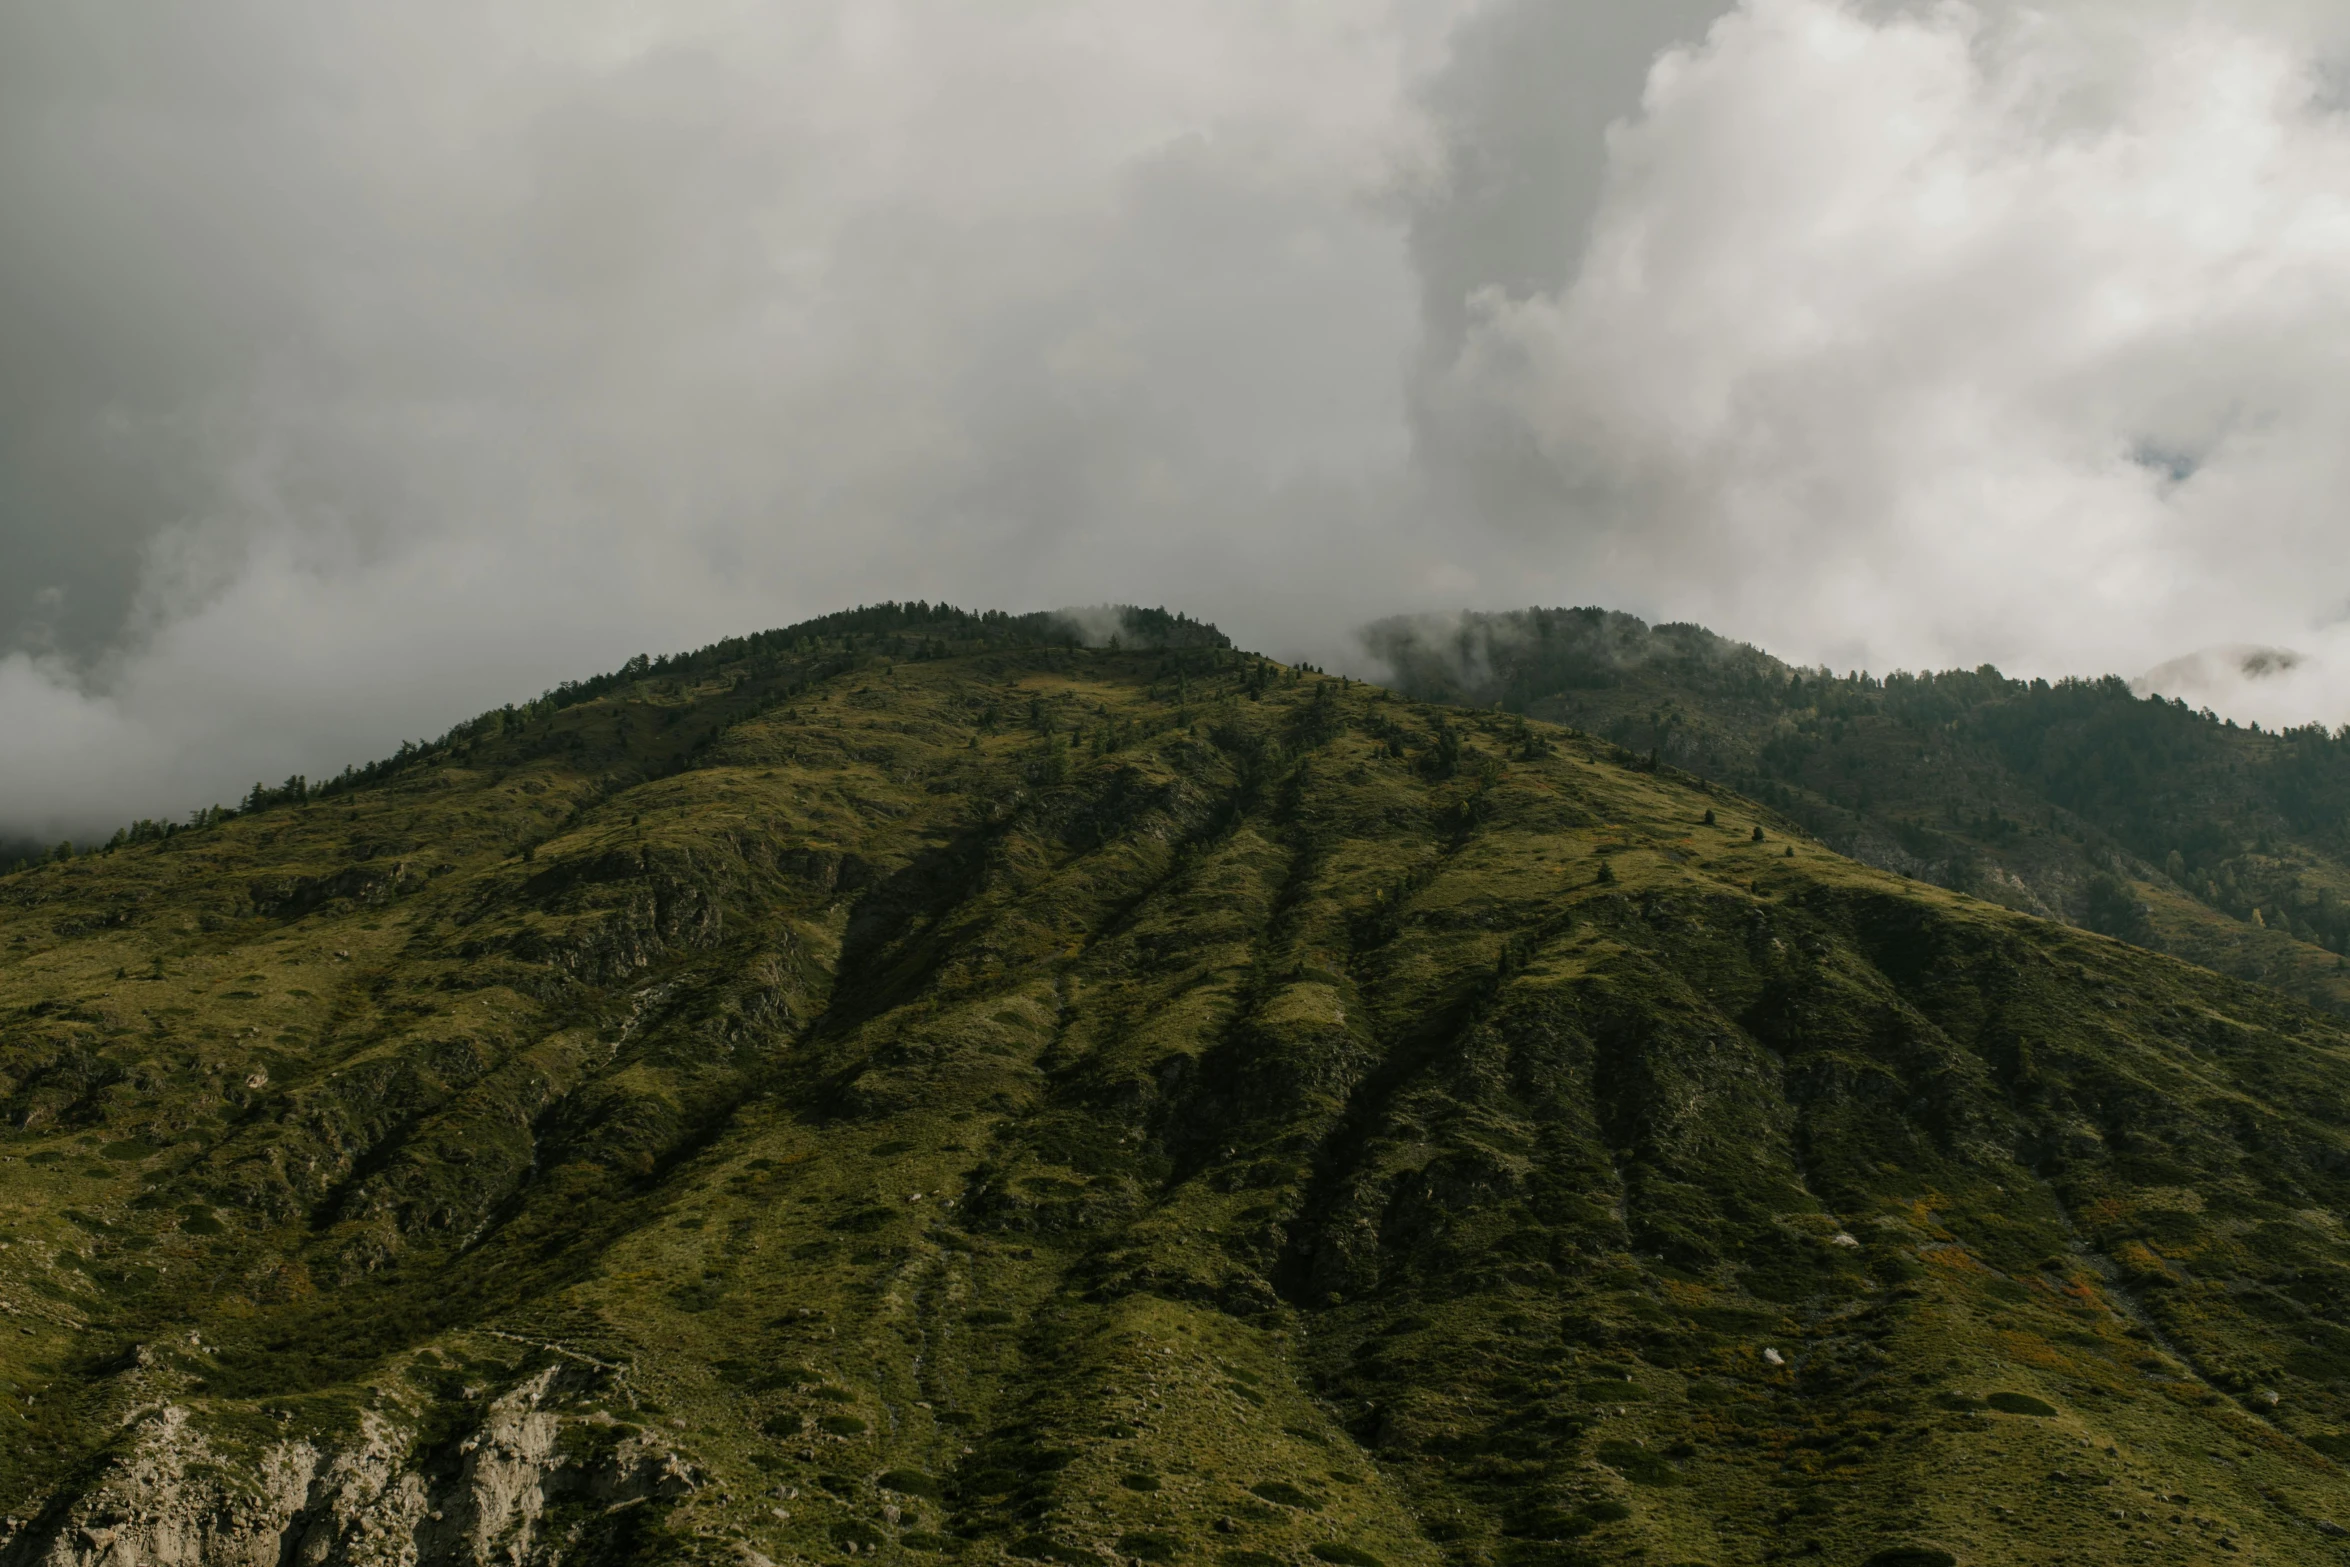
(967, 1100)
(2081, 800)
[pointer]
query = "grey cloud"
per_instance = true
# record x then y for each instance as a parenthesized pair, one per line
(1521, 108)
(365, 366)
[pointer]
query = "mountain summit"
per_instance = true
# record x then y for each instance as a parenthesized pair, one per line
(914, 1086)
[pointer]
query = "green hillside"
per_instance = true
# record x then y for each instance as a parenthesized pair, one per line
(2078, 801)
(908, 1088)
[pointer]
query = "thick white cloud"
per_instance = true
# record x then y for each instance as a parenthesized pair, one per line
(1937, 335)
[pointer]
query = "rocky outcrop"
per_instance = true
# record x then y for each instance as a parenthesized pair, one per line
(175, 1497)
(292, 897)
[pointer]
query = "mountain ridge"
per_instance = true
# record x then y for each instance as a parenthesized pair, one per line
(2078, 800)
(1050, 1103)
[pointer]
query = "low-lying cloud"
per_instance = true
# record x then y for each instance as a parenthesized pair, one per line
(361, 368)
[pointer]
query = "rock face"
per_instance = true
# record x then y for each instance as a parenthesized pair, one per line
(169, 1501)
(884, 1091)
(172, 1499)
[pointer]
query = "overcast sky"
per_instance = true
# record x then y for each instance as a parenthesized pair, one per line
(364, 366)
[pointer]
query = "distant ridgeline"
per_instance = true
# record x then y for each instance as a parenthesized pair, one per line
(2080, 800)
(910, 630)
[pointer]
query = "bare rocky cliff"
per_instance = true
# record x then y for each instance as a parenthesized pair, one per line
(533, 1483)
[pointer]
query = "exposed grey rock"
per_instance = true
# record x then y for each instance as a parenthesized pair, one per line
(172, 1497)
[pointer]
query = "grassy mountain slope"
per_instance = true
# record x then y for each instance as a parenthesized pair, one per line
(919, 1095)
(2078, 801)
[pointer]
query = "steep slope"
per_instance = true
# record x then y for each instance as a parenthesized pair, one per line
(812, 1101)
(2079, 801)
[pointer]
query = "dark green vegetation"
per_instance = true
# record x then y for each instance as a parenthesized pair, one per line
(2078, 801)
(911, 1092)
